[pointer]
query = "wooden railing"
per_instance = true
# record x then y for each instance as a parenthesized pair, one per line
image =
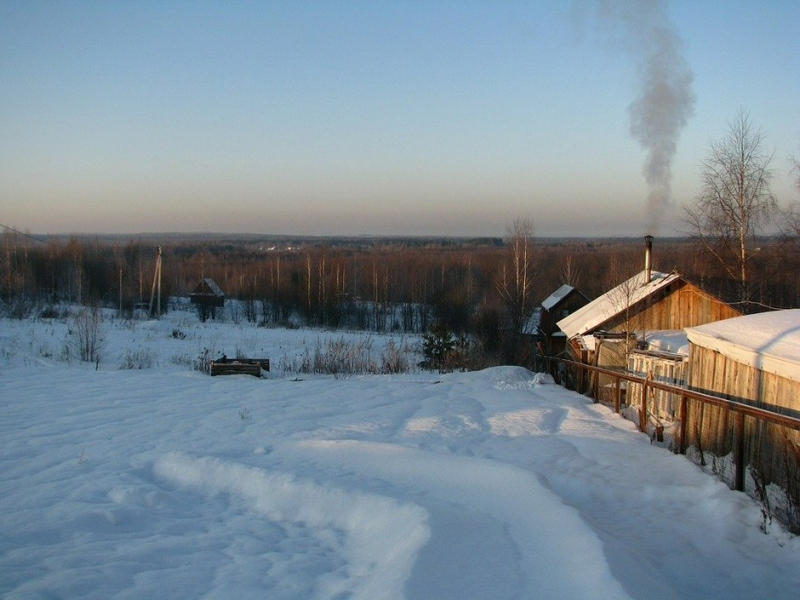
(739, 409)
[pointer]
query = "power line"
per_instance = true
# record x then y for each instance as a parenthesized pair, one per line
(32, 237)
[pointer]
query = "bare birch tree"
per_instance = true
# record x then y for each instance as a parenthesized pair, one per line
(517, 277)
(623, 291)
(735, 201)
(570, 271)
(791, 216)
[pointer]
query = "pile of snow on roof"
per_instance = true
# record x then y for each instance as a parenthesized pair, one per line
(613, 302)
(766, 341)
(554, 298)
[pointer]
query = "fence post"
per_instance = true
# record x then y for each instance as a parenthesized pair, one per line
(682, 416)
(738, 445)
(643, 409)
(616, 394)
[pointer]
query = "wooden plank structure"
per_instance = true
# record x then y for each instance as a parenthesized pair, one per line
(239, 366)
(664, 367)
(208, 297)
(561, 303)
(734, 402)
(751, 360)
(741, 417)
(667, 302)
(208, 292)
(648, 301)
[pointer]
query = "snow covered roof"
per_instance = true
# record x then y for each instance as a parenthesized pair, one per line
(209, 286)
(671, 341)
(766, 341)
(554, 298)
(613, 302)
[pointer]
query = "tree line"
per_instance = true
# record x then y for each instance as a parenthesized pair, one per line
(485, 288)
(384, 285)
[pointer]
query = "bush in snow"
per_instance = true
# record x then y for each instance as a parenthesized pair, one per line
(203, 362)
(183, 360)
(393, 359)
(342, 358)
(141, 358)
(52, 311)
(446, 353)
(437, 345)
(85, 336)
(20, 308)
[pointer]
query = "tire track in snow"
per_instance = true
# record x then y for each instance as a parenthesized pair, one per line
(549, 538)
(381, 536)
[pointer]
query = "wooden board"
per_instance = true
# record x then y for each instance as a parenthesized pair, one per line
(240, 366)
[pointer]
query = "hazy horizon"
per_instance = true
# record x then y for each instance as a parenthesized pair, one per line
(162, 237)
(343, 118)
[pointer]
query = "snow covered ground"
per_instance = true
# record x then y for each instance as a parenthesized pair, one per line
(167, 483)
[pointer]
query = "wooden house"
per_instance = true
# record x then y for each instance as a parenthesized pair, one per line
(754, 359)
(605, 331)
(647, 302)
(558, 305)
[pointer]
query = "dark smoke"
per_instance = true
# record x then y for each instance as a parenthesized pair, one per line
(665, 99)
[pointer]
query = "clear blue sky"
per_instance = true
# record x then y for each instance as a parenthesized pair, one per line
(448, 117)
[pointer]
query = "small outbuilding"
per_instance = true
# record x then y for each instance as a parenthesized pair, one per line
(208, 297)
(558, 305)
(605, 331)
(647, 302)
(753, 359)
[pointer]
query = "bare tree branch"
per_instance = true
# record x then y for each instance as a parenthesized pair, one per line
(735, 201)
(516, 283)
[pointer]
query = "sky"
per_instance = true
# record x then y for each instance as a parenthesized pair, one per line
(385, 118)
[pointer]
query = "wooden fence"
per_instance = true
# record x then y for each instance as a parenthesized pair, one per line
(740, 411)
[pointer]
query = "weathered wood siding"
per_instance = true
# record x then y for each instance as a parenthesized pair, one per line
(244, 366)
(568, 305)
(773, 449)
(554, 340)
(670, 369)
(610, 353)
(681, 304)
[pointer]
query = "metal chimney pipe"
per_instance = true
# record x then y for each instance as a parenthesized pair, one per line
(648, 258)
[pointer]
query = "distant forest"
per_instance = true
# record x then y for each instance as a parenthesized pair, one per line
(400, 284)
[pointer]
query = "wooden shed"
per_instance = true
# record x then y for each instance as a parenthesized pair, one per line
(754, 359)
(561, 303)
(644, 303)
(208, 297)
(647, 302)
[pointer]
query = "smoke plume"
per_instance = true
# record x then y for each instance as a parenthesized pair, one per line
(665, 100)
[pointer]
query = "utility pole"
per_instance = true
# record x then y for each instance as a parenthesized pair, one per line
(156, 289)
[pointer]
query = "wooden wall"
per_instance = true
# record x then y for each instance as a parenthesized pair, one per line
(664, 368)
(570, 303)
(774, 451)
(681, 304)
